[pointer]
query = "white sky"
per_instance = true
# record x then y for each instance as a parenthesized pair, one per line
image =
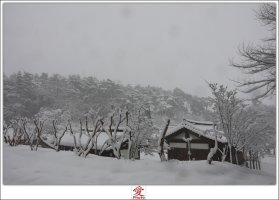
(165, 45)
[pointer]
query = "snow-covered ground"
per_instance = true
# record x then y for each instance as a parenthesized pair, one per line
(24, 167)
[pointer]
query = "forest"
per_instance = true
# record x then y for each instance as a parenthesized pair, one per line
(25, 94)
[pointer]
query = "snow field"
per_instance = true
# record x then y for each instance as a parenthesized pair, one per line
(47, 167)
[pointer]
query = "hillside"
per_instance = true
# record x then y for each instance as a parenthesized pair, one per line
(25, 94)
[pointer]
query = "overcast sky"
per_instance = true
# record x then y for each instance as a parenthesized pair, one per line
(165, 45)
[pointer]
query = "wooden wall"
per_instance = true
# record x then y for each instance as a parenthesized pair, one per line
(196, 154)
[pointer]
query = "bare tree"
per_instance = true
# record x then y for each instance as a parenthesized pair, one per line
(161, 141)
(73, 135)
(97, 126)
(51, 126)
(223, 152)
(29, 132)
(115, 141)
(260, 60)
(39, 128)
(57, 136)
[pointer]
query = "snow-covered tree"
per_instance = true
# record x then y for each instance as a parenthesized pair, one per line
(51, 126)
(5, 129)
(226, 106)
(73, 134)
(246, 128)
(29, 129)
(257, 137)
(84, 149)
(39, 128)
(223, 152)
(13, 132)
(9, 134)
(142, 131)
(212, 151)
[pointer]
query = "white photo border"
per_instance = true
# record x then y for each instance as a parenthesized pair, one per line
(124, 192)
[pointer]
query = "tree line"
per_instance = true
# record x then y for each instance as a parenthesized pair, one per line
(48, 128)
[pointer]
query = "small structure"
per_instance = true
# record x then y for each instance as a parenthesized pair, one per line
(192, 140)
(67, 144)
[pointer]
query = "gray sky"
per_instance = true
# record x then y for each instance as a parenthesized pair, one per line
(165, 45)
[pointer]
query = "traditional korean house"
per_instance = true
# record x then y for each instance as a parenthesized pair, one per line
(192, 140)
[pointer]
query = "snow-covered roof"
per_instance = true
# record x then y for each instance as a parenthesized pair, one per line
(68, 140)
(204, 129)
(199, 122)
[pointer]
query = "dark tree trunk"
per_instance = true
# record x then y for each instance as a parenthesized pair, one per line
(162, 141)
(250, 159)
(259, 163)
(236, 157)
(230, 149)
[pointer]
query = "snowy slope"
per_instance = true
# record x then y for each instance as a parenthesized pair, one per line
(24, 167)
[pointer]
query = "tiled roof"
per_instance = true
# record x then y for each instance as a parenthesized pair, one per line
(204, 129)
